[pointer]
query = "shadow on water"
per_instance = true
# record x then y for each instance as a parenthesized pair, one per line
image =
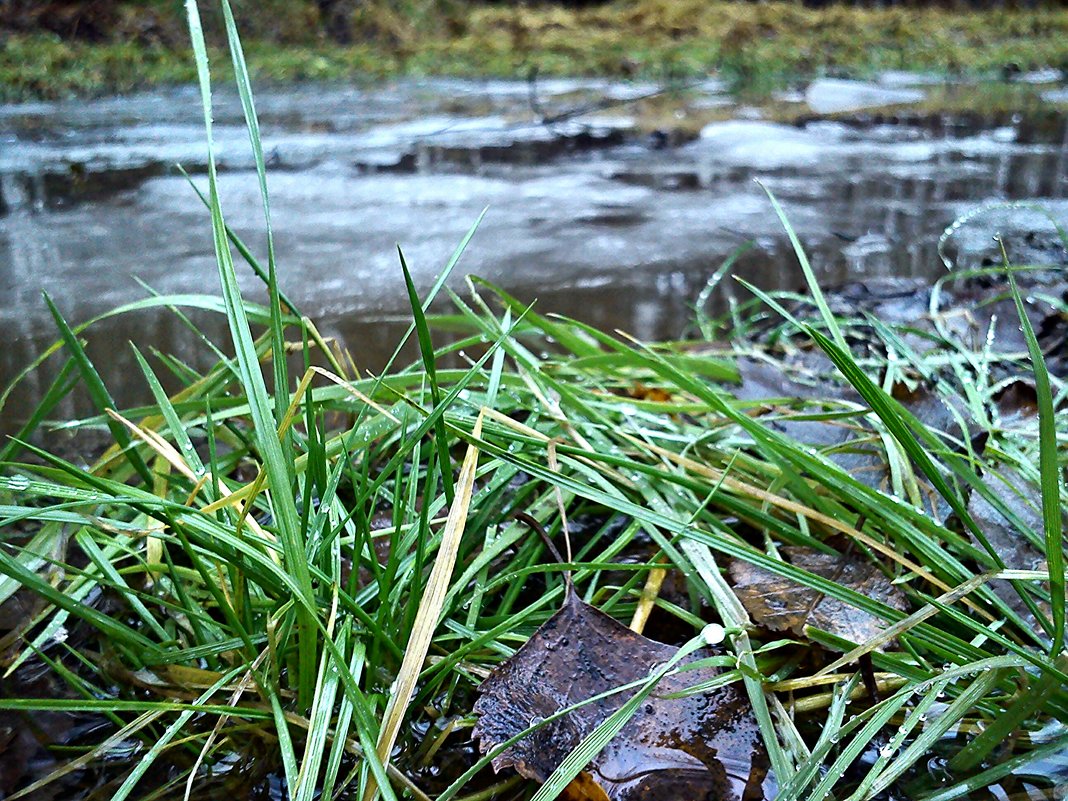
(601, 216)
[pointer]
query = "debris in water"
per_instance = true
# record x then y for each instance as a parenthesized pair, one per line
(705, 745)
(780, 604)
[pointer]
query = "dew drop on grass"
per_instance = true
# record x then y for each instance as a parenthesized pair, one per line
(18, 483)
(886, 751)
(713, 634)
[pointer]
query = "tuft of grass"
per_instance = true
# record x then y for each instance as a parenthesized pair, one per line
(289, 572)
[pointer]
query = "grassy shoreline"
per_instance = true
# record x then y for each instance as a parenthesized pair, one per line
(758, 46)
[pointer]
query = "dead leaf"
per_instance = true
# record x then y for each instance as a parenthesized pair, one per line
(640, 391)
(702, 746)
(783, 605)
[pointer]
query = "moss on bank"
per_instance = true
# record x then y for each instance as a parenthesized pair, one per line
(758, 45)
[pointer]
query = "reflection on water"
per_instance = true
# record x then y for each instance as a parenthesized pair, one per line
(594, 217)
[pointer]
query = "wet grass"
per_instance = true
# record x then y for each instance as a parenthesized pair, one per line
(759, 47)
(307, 572)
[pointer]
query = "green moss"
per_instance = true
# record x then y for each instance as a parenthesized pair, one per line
(757, 46)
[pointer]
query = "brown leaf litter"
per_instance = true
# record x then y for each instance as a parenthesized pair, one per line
(705, 745)
(779, 604)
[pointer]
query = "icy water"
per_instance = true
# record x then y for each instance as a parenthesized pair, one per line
(617, 213)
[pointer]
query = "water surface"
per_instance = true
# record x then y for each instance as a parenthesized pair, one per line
(606, 215)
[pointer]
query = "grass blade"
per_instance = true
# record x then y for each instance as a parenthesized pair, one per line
(1049, 471)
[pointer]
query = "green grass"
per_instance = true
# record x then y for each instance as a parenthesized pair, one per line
(758, 47)
(307, 568)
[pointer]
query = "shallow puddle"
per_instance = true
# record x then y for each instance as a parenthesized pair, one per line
(608, 214)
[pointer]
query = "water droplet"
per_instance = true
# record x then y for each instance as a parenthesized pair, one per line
(18, 483)
(536, 721)
(713, 634)
(886, 751)
(564, 641)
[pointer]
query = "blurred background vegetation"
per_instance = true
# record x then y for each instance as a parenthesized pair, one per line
(77, 47)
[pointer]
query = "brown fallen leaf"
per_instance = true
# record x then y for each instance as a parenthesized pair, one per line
(779, 604)
(704, 746)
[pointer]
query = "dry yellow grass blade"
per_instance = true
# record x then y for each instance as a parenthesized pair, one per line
(164, 449)
(811, 703)
(150, 423)
(515, 425)
(153, 546)
(808, 682)
(554, 465)
(556, 412)
(251, 490)
(287, 418)
(235, 497)
(650, 592)
(360, 396)
(796, 508)
(426, 619)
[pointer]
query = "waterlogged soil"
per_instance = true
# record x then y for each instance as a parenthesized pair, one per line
(610, 202)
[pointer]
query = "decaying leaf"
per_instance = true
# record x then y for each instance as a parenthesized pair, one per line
(704, 746)
(783, 605)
